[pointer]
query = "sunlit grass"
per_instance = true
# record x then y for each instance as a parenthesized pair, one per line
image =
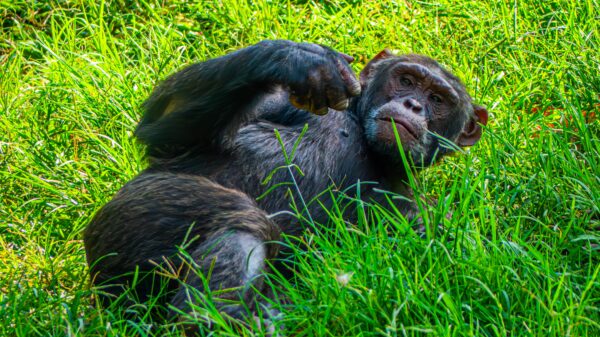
(519, 256)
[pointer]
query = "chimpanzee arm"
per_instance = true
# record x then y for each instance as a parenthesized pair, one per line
(203, 105)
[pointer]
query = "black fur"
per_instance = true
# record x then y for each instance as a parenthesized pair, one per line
(209, 131)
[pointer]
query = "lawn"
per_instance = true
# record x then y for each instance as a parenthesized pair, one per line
(520, 256)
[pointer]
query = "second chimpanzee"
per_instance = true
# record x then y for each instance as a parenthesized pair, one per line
(209, 131)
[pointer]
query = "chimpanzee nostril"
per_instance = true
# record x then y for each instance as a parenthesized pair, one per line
(413, 104)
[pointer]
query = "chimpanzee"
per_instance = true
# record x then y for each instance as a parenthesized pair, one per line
(209, 132)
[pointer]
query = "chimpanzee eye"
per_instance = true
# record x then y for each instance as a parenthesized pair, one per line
(436, 98)
(405, 81)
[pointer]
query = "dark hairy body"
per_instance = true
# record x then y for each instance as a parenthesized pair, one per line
(209, 131)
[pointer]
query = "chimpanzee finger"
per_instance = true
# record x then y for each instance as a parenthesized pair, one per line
(299, 94)
(339, 105)
(316, 96)
(347, 57)
(337, 97)
(318, 103)
(349, 78)
(319, 109)
(299, 102)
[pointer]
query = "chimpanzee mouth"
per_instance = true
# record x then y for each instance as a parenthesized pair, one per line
(404, 124)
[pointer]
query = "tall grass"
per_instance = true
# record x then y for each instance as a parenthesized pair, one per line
(519, 256)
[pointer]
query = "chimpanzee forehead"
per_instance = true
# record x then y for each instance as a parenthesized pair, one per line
(434, 67)
(431, 77)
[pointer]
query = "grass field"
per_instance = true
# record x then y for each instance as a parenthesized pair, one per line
(519, 257)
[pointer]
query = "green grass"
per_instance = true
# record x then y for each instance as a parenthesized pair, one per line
(519, 257)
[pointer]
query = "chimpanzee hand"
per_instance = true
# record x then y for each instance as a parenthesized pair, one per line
(317, 77)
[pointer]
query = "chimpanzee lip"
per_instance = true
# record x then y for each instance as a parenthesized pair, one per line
(403, 123)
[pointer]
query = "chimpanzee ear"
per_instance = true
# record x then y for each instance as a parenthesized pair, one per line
(471, 133)
(368, 71)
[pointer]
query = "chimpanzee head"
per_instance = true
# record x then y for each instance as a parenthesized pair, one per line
(427, 105)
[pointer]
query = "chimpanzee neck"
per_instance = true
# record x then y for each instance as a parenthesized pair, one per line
(392, 177)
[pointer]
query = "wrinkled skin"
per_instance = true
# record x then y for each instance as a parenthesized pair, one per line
(209, 131)
(423, 101)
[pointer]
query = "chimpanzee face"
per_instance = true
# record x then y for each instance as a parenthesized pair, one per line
(427, 106)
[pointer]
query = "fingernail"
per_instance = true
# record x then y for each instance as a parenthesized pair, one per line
(321, 111)
(341, 105)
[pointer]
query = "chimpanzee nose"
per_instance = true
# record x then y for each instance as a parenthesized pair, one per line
(413, 104)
